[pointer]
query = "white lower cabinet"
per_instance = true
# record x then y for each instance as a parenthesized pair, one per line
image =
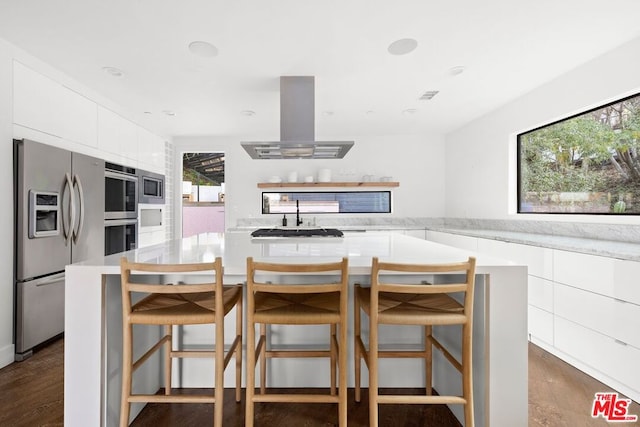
(626, 276)
(583, 308)
(589, 272)
(615, 318)
(540, 325)
(601, 356)
(541, 293)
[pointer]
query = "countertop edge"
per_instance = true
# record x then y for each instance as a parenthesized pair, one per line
(606, 248)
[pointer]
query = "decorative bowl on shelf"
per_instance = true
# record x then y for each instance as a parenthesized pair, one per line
(275, 179)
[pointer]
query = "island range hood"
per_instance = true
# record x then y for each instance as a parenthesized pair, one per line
(297, 126)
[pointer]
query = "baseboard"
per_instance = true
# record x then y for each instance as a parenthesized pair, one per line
(7, 355)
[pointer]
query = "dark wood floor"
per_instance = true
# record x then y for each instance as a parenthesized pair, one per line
(31, 394)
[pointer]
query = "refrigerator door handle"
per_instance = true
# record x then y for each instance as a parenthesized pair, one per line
(77, 231)
(66, 226)
(50, 280)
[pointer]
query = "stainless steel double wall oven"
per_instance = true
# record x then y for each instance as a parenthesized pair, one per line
(120, 208)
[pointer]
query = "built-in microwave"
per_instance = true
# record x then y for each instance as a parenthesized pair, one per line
(121, 192)
(151, 187)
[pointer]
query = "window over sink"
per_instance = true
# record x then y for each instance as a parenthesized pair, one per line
(320, 202)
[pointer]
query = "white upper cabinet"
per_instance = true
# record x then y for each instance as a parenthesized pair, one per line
(150, 151)
(118, 136)
(44, 105)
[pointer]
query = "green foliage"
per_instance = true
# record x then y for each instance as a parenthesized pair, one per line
(594, 152)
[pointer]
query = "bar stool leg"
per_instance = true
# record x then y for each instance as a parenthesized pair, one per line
(219, 373)
(356, 346)
(251, 371)
(467, 375)
(428, 359)
(342, 384)
(126, 375)
(333, 358)
(168, 347)
(262, 356)
(238, 355)
(373, 374)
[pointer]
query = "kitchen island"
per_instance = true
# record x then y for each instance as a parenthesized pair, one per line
(93, 324)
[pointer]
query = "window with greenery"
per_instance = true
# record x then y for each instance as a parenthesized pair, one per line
(585, 164)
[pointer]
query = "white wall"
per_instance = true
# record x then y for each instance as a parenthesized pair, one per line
(6, 208)
(480, 157)
(413, 160)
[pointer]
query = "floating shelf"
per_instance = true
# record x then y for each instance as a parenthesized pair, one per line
(326, 184)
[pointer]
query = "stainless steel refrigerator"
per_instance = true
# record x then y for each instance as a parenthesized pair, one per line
(59, 219)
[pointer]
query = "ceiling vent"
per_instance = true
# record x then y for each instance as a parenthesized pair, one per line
(297, 127)
(428, 95)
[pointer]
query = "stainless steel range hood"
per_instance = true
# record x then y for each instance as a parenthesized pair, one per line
(297, 127)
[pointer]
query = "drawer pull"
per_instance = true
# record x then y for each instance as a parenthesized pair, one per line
(620, 342)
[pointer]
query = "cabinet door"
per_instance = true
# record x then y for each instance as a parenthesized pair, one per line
(151, 151)
(539, 260)
(540, 324)
(602, 354)
(36, 101)
(627, 281)
(79, 118)
(617, 319)
(495, 248)
(589, 272)
(118, 136)
(541, 293)
(45, 105)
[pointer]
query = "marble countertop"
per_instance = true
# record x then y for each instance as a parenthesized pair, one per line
(235, 247)
(608, 248)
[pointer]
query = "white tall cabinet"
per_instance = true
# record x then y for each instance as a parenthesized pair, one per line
(582, 308)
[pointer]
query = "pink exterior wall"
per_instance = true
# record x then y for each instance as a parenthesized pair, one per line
(202, 219)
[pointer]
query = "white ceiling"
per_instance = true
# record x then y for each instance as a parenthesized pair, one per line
(508, 48)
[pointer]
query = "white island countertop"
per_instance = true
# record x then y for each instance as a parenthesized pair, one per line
(92, 318)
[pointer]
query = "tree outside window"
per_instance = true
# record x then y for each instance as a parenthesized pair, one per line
(586, 164)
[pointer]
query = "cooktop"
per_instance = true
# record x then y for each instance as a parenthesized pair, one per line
(296, 232)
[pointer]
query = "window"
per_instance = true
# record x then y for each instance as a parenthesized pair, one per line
(327, 202)
(585, 164)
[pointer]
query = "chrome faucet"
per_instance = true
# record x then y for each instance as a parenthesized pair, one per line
(298, 219)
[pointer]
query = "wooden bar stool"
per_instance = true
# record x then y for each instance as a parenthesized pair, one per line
(276, 301)
(184, 304)
(396, 302)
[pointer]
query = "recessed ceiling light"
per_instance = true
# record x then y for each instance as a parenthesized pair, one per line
(204, 49)
(409, 111)
(248, 113)
(113, 71)
(402, 46)
(169, 112)
(458, 69)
